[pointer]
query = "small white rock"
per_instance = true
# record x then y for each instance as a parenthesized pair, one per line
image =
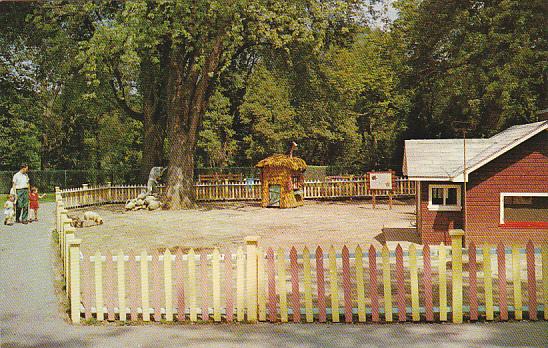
(154, 205)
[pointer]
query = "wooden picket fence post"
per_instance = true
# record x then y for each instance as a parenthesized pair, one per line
(456, 250)
(59, 206)
(251, 279)
(109, 192)
(74, 269)
(69, 239)
(62, 218)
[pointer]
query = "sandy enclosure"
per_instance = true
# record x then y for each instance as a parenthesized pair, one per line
(227, 224)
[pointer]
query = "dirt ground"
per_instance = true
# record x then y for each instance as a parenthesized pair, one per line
(227, 224)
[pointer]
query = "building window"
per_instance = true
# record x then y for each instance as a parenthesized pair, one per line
(444, 197)
(437, 196)
(524, 209)
(451, 198)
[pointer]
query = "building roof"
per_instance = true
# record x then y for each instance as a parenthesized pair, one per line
(294, 163)
(442, 159)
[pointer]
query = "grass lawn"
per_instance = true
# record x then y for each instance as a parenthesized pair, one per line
(50, 197)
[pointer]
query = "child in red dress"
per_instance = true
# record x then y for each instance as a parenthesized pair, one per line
(33, 198)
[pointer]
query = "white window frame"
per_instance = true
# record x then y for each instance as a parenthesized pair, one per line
(444, 207)
(517, 194)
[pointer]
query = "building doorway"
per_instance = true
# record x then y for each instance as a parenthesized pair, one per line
(274, 195)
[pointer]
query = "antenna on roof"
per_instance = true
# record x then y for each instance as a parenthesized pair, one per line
(463, 126)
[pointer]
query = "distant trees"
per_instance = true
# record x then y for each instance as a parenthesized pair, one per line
(482, 61)
(343, 107)
(50, 116)
(103, 84)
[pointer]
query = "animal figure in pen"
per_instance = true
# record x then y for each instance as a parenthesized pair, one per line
(93, 216)
(153, 178)
(76, 222)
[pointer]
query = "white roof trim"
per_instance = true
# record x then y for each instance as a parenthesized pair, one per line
(459, 177)
(429, 178)
(441, 159)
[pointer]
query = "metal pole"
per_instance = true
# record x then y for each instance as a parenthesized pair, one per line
(463, 126)
(465, 179)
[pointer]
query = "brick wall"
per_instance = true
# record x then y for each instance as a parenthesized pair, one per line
(435, 225)
(522, 169)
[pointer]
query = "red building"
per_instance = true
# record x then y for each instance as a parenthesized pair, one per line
(503, 197)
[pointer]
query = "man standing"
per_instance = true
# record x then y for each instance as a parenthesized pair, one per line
(21, 186)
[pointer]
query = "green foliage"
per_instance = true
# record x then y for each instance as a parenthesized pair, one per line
(268, 115)
(118, 143)
(19, 142)
(342, 108)
(373, 91)
(484, 62)
(216, 143)
(77, 78)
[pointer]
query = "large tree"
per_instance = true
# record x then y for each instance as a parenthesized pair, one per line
(135, 85)
(190, 44)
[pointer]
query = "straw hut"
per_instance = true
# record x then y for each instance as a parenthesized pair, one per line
(282, 181)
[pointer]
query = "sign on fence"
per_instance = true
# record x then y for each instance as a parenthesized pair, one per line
(381, 180)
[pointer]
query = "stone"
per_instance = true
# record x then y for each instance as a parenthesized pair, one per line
(150, 199)
(154, 205)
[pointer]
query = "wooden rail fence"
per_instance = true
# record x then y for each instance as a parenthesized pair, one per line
(420, 283)
(231, 191)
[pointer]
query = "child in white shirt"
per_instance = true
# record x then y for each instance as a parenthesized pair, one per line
(9, 210)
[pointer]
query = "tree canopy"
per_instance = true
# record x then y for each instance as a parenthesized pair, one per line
(133, 84)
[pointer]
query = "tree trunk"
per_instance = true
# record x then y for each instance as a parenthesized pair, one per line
(188, 92)
(154, 117)
(153, 147)
(180, 175)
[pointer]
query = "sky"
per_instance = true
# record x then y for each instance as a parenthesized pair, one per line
(385, 12)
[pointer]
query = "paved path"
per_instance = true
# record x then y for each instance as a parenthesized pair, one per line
(30, 315)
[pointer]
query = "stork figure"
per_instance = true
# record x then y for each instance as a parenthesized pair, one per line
(293, 147)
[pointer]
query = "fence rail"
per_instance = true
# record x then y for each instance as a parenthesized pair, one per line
(231, 191)
(424, 283)
(320, 286)
(47, 180)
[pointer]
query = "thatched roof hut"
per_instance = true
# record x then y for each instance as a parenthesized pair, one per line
(282, 181)
(283, 161)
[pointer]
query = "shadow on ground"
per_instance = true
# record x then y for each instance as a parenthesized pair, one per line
(399, 234)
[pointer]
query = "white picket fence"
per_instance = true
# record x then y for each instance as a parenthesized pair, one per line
(232, 191)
